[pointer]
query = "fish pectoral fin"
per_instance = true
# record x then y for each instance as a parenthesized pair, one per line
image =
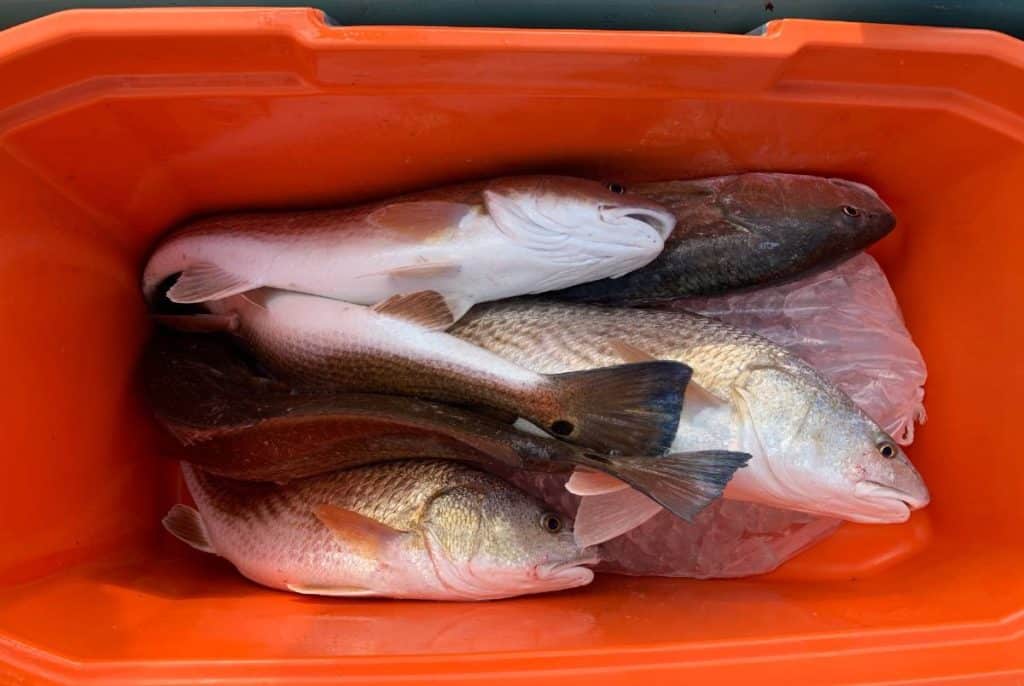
(588, 482)
(204, 281)
(337, 591)
(696, 400)
(198, 323)
(425, 270)
(360, 533)
(601, 518)
(186, 525)
(428, 309)
(628, 352)
(458, 305)
(420, 218)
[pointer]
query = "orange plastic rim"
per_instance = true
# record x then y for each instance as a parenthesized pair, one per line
(116, 124)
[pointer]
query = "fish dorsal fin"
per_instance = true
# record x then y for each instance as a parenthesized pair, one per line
(199, 323)
(336, 591)
(588, 482)
(204, 281)
(360, 533)
(628, 352)
(186, 524)
(601, 518)
(428, 309)
(419, 218)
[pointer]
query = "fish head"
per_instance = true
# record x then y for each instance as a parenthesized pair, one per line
(554, 209)
(817, 452)
(498, 542)
(828, 217)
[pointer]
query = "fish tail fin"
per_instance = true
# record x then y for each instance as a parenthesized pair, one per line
(682, 483)
(631, 408)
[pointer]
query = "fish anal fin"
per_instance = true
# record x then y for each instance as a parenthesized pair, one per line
(428, 309)
(186, 524)
(204, 281)
(335, 591)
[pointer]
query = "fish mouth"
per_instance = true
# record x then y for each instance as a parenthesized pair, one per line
(889, 504)
(570, 573)
(661, 221)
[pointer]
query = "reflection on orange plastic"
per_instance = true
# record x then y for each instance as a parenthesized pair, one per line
(114, 125)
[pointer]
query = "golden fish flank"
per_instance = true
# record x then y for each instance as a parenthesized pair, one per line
(471, 243)
(812, 448)
(423, 529)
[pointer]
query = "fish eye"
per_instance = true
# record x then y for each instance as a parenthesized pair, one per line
(551, 522)
(616, 188)
(851, 211)
(887, 450)
(560, 427)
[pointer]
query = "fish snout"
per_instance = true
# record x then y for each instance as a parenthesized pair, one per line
(888, 504)
(864, 203)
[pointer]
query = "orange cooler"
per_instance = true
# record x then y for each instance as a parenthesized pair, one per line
(114, 125)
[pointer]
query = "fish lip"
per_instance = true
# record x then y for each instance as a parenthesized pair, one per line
(661, 221)
(557, 569)
(894, 501)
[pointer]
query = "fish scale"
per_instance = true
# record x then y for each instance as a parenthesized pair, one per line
(552, 338)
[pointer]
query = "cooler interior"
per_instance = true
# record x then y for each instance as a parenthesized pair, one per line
(115, 125)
